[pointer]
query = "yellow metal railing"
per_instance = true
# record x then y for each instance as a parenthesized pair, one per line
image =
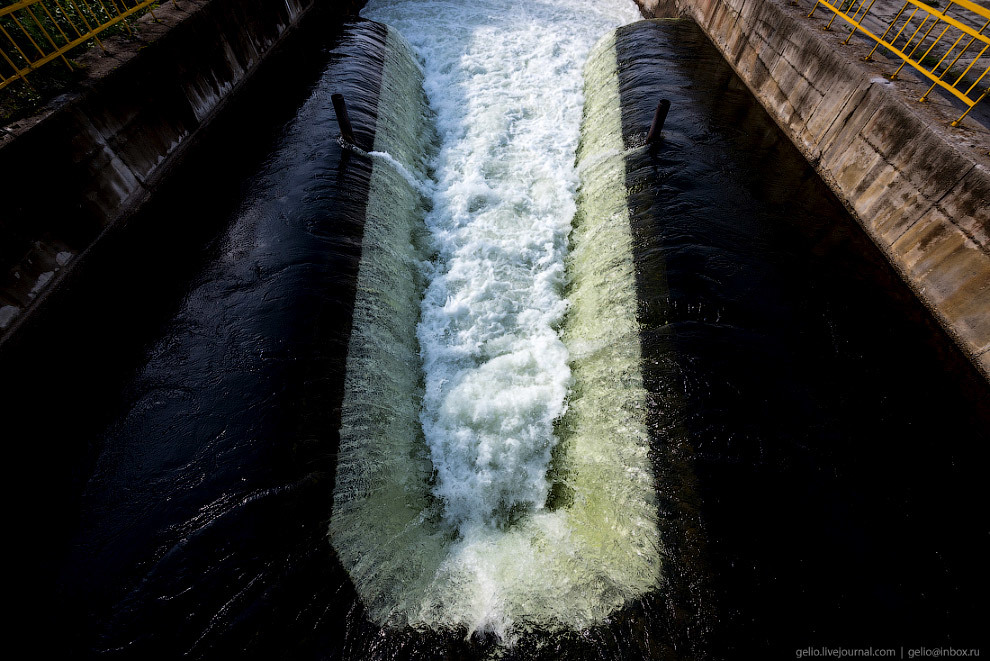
(36, 32)
(933, 42)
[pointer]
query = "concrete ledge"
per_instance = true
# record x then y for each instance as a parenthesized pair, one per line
(91, 159)
(919, 190)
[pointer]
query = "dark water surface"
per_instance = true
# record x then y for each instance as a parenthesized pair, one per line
(838, 439)
(203, 385)
(824, 439)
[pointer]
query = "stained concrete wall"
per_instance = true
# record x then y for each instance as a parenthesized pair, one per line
(90, 160)
(922, 196)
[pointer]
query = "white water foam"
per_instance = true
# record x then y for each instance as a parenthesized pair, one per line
(451, 527)
(505, 81)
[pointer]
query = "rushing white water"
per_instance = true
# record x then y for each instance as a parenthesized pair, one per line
(504, 78)
(510, 488)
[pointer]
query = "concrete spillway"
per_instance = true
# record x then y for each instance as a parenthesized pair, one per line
(463, 549)
(497, 381)
(918, 187)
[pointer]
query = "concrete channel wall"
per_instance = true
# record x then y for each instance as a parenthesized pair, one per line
(922, 197)
(91, 159)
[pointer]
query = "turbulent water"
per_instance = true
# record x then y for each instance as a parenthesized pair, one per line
(818, 445)
(469, 496)
(505, 81)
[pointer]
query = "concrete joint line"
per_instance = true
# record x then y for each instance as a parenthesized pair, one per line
(900, 174)
(979, 246)
(742, 8)
(803, 77)
(935, 205)
(912, 224)
(842, 112)
(982, 248)
(735, 17)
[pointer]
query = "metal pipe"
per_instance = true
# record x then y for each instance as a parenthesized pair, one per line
(659, 117)
(343, 121)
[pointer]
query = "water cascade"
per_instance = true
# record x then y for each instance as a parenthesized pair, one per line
(493, 471)
(593, 402)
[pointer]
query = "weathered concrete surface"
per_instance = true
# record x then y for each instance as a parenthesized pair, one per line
(920, 189)
(87, 162)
